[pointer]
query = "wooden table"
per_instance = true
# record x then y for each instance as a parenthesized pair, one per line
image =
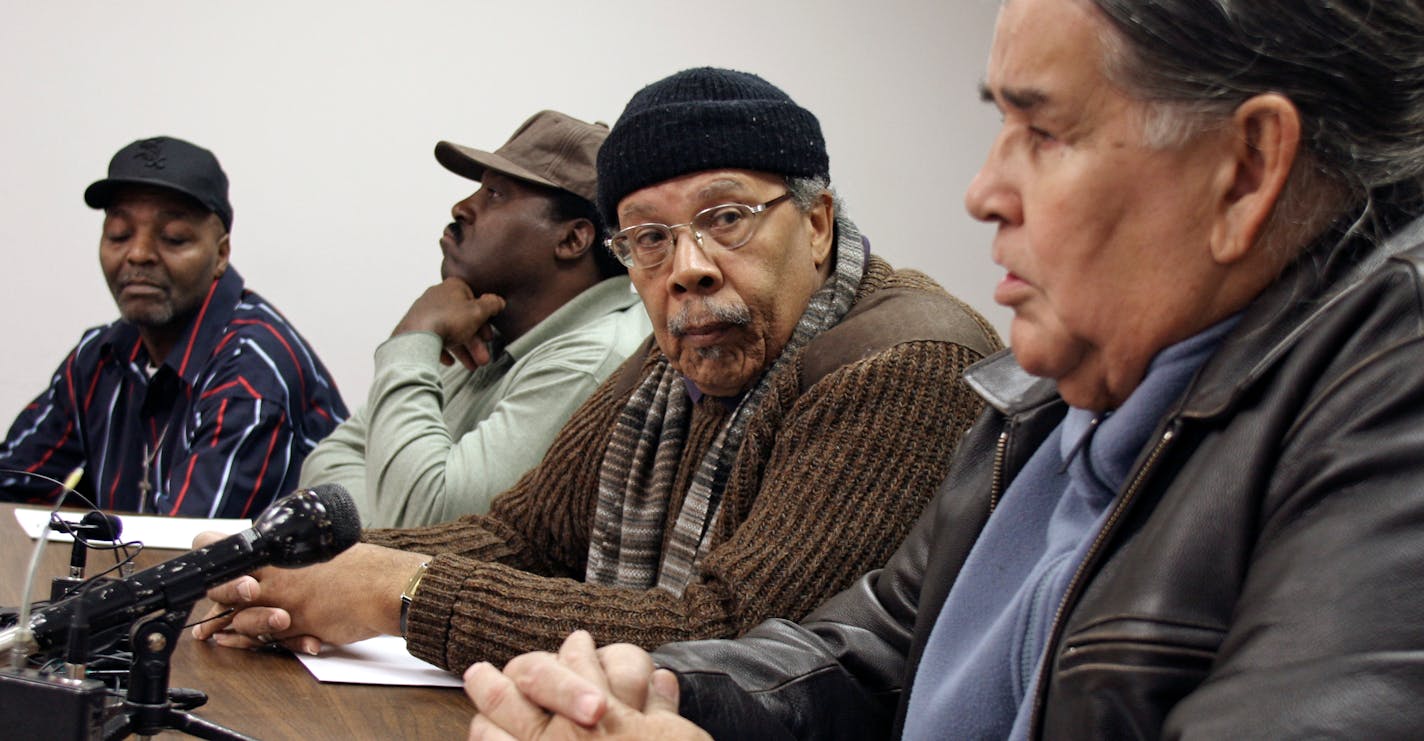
(265, 694)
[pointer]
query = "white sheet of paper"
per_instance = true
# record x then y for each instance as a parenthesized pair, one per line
(380, 660)
(174, 533)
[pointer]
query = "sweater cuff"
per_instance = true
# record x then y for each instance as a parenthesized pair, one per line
(420, 348)
(428, 621)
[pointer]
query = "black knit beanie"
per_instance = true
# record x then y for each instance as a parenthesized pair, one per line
(706, 119)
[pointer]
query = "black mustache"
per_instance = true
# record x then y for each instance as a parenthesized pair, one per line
(456, 231)
(144, 278)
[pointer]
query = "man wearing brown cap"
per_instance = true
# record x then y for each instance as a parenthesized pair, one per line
(532, 307)
(201, 400)
(792, 415)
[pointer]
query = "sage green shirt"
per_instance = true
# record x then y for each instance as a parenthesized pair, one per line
(435, 442)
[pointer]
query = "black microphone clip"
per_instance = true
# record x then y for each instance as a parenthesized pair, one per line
(94, 526)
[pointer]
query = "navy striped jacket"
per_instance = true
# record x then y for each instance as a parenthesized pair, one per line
(220, 429)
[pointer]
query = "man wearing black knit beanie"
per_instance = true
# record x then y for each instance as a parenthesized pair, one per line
(707, 119)
(794, 411)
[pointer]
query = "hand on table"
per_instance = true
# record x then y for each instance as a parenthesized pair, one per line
(354, 596)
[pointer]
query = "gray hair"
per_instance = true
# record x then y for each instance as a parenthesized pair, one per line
(805, 192)
(1353, 68)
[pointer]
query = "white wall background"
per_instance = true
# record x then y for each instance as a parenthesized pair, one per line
(324, 115)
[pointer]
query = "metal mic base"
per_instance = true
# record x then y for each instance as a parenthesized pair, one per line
(35, 705)
(148, 706)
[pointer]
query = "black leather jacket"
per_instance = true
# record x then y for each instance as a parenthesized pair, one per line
(1260, 575)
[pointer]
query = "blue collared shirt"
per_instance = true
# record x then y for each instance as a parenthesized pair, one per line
(977, 674)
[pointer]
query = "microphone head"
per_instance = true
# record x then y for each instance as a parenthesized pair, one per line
(95, 525)
(345, 518)
(309, 526)
(101, 525)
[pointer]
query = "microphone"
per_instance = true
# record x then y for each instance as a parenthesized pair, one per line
(95, 525)
(306, 527)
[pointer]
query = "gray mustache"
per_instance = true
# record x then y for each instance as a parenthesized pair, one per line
(717, 312)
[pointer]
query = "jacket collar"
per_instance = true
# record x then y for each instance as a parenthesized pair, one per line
(1269, 326)
(1007, 386)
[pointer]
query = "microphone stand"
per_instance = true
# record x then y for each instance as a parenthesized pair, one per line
(147, 704)
(62, 586)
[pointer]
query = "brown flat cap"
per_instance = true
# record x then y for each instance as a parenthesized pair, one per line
(551, 149)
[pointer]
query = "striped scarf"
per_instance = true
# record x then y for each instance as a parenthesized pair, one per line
(636, 479)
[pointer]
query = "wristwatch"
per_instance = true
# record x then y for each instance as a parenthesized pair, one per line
(409, 594)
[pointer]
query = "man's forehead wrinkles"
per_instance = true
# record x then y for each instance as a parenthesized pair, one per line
(635, 211)
(721, 187)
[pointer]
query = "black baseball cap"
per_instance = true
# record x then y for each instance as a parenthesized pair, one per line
(166, 162)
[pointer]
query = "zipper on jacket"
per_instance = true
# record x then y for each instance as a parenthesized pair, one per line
(996, 481)
(1076, 583)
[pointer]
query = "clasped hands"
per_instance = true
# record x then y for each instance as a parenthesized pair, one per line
(580, 692)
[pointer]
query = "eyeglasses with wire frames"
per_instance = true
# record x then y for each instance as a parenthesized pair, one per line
(727, 226)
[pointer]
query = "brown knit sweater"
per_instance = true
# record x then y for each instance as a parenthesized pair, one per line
(849, 445)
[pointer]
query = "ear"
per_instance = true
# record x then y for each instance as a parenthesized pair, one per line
(822, 224)
(1265, 133)
(224, 249)
(576, 240)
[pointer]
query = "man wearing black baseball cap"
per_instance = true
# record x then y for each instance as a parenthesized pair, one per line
(201, 400)
(534, 309)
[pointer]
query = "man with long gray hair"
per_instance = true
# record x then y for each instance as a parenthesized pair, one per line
(1201, 480)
